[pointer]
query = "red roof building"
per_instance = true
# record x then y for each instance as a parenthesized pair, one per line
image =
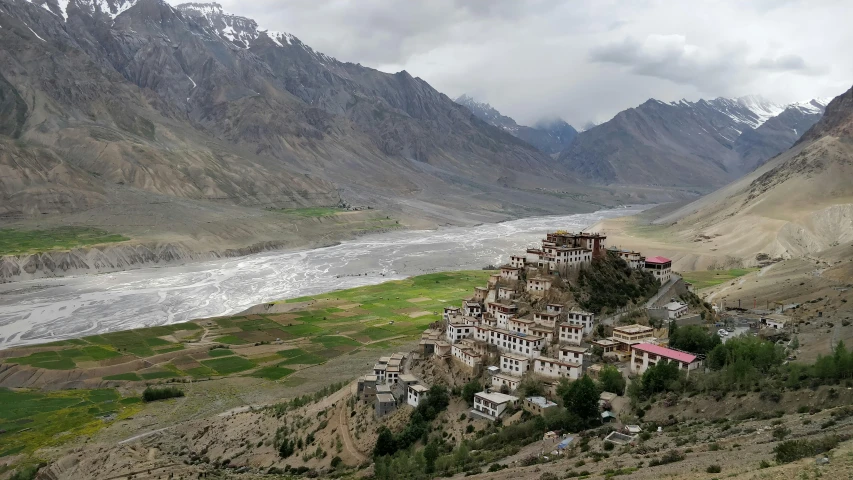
(645, 355)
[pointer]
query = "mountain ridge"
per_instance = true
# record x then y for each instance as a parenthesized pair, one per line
(548, 136)
(703, 144)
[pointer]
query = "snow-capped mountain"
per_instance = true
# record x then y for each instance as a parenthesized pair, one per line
(697, 144)
(551, 136)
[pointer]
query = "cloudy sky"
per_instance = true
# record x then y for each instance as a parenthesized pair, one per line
(583, 61)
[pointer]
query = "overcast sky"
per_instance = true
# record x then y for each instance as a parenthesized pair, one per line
(583, 61)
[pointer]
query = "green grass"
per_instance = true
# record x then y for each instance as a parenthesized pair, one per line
(709, 278)
(305, 359)
(158, 375)
(201, 372)
(65, 359)
(220, 352)
(334, 341)
(21, 242)
(124, 376)
(310, 211)
(272, 373)
(226, 365)
(35, 419)
(231, 340)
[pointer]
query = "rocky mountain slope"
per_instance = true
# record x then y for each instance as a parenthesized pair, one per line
(799, 203)
(549, 137)
(700, 144)
(105, 101)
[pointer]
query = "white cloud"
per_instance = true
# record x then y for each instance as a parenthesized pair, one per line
(582, 61)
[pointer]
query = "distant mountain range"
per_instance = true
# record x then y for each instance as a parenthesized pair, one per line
(701, 144)
(551, 136)
(798, 203)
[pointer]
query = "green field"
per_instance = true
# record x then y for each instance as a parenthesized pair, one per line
(20, 242)
(709, 278)
(34, 419)
(310, 211)
(227, 365)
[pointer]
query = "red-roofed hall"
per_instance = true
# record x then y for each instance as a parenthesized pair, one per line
(645, 355)
(660, 267)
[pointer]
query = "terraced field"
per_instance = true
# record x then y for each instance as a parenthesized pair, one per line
(269, 346)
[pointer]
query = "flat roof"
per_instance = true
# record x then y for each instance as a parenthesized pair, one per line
(531, 338)
(405, 377)
(385, 398)
(666, 352)
(573, 348)
(546, 314)
(540, 279)
(384, 359)
(496, 397)
(522, 320)
(541, 401)
(418, 388)
(554, 360)
(635, 328)
(369, 378)
(514, 356)
(382, 388)
(571, 325)
(380, 366)
(674, 305)
(506, 376)
(603, 342)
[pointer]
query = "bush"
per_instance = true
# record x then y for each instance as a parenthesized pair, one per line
(469, 429)
(713, 469)
(793, 450)
(764, 464)
(336, 461)
(548, 476)
(152, 394)
(780, 433)
(608, 445)
(670, 457)
(25, 473)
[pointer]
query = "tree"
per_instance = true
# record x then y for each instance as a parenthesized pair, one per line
(795, 343)
(430, 456)
(692, 338)
(469, 390)
(582, 399)
(611, 380)
(531, 386)
(286, 448)
(385, 443)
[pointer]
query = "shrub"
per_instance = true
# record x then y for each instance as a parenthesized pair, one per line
(608, 445)
(25, 473)
(780, 433)
(713, 469)
(764, 464)
(793, 450)
(714, 447)
(336, 461)
(670, 457)
(548, 476)
(152, 394)
(469, 429)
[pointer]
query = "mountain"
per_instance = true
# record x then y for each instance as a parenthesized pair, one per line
(692, 144)
(777, 134)
(138, 109)
(551, 136)
(798, 203)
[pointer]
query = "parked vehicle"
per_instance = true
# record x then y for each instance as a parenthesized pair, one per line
(722, 332)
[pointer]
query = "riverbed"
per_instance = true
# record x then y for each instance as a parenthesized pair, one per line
(41, 311)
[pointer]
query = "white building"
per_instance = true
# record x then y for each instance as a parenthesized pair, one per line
(553, 368)
(514, 364)
(546, 319)
(509, 273)
(502, 313)
(511, 342)
(416, 394)
(472, 308)
(645, 355)
(451, 312)
(675, 310)
(660, 267)
(572, 354)
(542, 331)
(505, 293)
(458, 331)
(466, 355)
(582, 318)
(379, 372)
(492, 405)
(537, 286)
(502, 379)
(571, 334)
(516, 261)
(521, 325)
(775, 321)
(555, 308)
